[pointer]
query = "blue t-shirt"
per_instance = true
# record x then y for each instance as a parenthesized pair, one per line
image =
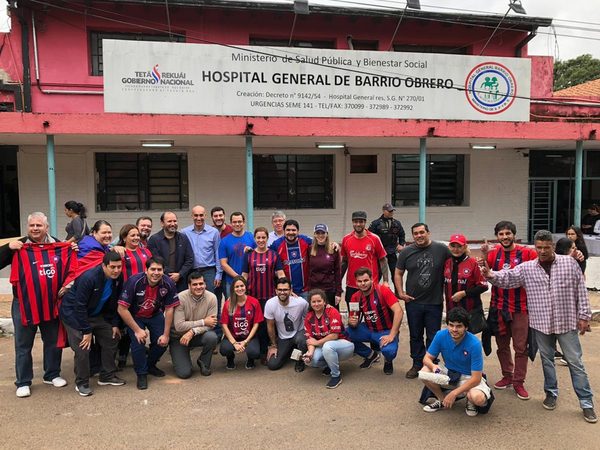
(465, 357)
(232, 248)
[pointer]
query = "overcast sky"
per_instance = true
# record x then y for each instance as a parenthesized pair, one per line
(564, 12)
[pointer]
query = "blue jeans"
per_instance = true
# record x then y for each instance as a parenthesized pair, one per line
(362, 334)
(304, 295)
(421, 318)
(141, 361)
(571, 349)
(24, 339)
(331, 353)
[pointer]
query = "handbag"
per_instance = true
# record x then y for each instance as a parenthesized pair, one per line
(477, 320)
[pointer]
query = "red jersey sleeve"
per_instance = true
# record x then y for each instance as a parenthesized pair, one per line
(388, 296)
(380, 251)
(258, 314)
(477, 276)
(307, 326)
(343, 247)
(335, 320)
(225, 314)
(531, 253)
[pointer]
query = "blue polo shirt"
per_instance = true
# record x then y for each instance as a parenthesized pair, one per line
(465, 357)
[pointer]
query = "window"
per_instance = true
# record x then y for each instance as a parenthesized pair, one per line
(293, 181)
(141, 181)
(363, 163)
(445, 180)
(366, 45)
(295, 43)
(96, 38)
(430, 49)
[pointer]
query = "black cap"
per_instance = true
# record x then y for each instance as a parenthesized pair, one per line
(359, 215)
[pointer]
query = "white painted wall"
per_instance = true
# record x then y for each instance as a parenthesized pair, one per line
(496, 187)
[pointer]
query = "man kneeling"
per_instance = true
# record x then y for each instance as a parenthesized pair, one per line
(463, 359)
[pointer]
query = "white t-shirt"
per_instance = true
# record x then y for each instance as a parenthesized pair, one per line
(296, 309)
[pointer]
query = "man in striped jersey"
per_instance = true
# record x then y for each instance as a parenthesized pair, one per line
(377, 321)
(510, 306)
(25, 330)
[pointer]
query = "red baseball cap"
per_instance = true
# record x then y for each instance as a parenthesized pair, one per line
(458, 239)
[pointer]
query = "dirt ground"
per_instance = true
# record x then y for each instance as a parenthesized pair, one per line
(244, 409)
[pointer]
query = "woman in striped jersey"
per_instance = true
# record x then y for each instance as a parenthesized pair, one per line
(261, 268)
(134, 261)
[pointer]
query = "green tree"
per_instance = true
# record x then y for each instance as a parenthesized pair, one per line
(575, 71)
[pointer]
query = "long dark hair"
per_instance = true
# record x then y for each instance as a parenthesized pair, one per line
(77, 208)
(99, 224)
(580, 242)
(233, 297)
(563, 246)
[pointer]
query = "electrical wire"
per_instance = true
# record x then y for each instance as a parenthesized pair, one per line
(375, 73)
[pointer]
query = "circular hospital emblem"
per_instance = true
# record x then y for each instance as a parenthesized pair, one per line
(491, 88)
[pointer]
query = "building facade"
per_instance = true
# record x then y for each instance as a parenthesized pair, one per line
(52, 66)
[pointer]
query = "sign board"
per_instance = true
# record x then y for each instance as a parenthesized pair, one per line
(175, 78)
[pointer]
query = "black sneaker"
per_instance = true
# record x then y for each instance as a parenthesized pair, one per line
(85, 391)
(549, 402)
(434, 407)
(299, 366)
(250, 364)
(155, 371)
(589, 415)
(112, 381)
(368, 362)
(204, 369)
(388, 367)
(230, 363)
(334, 382)
(142, 382)
(557, 354)
(121, 361)
(326, 371)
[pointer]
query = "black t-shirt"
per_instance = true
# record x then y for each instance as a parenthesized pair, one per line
(425, 272)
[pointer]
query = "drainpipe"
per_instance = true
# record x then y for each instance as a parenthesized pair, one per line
(249, 185)
(26, 65)
(578, 182)
(37, 69)
(422, 178)
(51, 185)
(523, 43)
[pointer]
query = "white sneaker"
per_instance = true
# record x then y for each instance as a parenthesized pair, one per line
(23, 391)
(471, 409)
(57, 382)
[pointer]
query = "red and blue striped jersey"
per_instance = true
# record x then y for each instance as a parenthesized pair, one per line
(241, 322)
(511, 300)
(261, 269)
(468, 276)
(135, 262)
(376, 309)
(294, 260)
(320, 327)
(38, 272)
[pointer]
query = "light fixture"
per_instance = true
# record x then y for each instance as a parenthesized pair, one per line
(330, 145)
(517, 7)
(483, 146)
(157, 143)
(413, 4)
(301, 7)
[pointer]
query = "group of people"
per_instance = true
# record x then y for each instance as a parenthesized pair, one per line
(274, 295)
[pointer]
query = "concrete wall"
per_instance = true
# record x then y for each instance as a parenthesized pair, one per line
(495, 186)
